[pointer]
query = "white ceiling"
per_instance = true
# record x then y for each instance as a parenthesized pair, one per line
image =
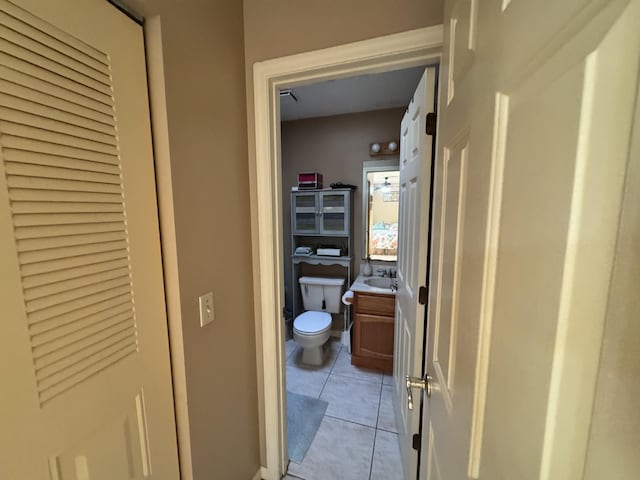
(350, 95)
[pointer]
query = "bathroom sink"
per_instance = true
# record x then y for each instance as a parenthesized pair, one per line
(380, 282)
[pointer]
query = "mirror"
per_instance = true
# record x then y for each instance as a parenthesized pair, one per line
(380, 182)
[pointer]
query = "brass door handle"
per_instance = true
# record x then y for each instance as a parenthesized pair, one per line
(415, 382)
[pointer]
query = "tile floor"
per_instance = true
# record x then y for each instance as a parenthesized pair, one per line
(357, 439)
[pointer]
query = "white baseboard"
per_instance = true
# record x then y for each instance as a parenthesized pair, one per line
(265, 474)
(258, 475)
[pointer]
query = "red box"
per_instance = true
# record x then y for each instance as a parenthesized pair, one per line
(309, 181)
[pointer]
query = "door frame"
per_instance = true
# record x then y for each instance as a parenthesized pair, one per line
(390, 52)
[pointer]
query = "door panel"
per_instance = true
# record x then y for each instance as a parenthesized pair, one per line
(525, 218)
(451, 230)
(570, 233)
(84, 346)
(462, 37)
(126, 455)
(431, 470)
(542, 236)
(373, 333)
(414, 199)
(614, 435)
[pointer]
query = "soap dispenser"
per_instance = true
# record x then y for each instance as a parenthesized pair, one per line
(366, 270)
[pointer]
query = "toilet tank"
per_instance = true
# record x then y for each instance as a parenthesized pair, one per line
(316, 289)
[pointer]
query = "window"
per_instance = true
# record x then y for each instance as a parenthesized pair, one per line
(380, 210)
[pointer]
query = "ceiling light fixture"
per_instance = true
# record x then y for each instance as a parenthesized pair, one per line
(383, 148)
(383, 187)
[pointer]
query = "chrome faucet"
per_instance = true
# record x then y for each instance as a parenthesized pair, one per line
(387, 272)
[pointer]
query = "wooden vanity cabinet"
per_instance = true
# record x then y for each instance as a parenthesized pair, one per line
(373, 331)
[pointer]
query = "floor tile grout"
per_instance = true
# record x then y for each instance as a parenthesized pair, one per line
(324, 385)
(386, 431)
(350, 421)
(375, 437)
(294, 476)
(355, 378)
(381, 386)
(379, 405)
(330, 370)
(373, 451)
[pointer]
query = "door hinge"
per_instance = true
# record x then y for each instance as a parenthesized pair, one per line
(430, 124)
(423, 294)
(415, 441)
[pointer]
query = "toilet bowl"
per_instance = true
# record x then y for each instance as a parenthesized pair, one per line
(311, 330)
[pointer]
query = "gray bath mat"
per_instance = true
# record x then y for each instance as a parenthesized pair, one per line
(304, 415)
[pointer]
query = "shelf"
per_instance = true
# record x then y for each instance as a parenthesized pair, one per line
(321, 218)
(332, 235)
(321, 260)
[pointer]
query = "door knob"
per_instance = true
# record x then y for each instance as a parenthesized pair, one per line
(415, 382)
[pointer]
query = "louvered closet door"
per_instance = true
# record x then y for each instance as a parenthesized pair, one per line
(86, 388)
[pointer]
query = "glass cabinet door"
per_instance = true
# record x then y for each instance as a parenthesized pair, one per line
(305, 212)
(334, 209)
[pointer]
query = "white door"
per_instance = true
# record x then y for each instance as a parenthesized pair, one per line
(415, 171)
(535, 120)
(614, 436)
(84, 358)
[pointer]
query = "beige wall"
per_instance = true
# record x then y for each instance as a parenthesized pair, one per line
(335, 146)
(204, 206)
(207, 237)
(276, 28)
(383, 211)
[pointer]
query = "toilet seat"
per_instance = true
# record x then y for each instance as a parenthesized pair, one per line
(312, 323)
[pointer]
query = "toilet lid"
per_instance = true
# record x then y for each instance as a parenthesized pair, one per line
(312, 322)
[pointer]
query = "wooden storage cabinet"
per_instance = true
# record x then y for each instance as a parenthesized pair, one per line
(373, 331)
(321, 218)
(325, 212)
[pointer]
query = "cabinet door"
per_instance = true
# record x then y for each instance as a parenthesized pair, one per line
(334, 209)
(305, 213)
(375, 336)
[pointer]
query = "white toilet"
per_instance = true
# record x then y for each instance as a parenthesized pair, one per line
(311, 329)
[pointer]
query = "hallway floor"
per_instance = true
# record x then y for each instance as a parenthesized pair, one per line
(357, 439)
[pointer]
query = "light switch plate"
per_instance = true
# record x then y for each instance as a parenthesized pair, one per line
(205, 302)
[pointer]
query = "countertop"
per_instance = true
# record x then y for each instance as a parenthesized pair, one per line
(359, 285)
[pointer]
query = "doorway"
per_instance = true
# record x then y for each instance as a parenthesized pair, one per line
(330, 131)
(381, 54)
